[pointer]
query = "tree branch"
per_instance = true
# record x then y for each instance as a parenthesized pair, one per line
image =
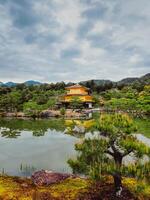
(110, 153)
(127, 152)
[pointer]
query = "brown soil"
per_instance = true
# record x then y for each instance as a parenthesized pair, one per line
(101, 191)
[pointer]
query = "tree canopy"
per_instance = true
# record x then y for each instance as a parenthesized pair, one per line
(105, 154)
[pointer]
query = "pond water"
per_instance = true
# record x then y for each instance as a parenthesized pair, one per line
(30, 145)
(26, 146)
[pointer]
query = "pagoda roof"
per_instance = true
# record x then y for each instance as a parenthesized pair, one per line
(76, 86)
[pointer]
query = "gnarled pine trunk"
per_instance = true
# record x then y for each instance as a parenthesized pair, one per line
(118, 183)
(117, 175)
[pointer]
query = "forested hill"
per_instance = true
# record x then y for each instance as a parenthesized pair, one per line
(124, 82)
(102, 85)
(127, 94)
(145, 80)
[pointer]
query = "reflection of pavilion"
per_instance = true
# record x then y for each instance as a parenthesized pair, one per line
(80, 92)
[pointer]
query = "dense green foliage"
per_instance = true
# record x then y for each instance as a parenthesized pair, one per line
(76, 103)
(104, 154)
(128, 99)
(30, 99)
(62, 111)
(103, 85)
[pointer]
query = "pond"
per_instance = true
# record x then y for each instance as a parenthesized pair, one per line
(27, 145)
(30, 145)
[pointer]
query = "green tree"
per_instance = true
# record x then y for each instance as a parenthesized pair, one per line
(104, 155)
(76, 103)
(144, 100)
(32, 109)
(62, 111)
(51, 103)
(14, 100)
(96, 100)
(41, 99)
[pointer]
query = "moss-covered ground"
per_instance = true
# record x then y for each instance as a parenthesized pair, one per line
(14, 188)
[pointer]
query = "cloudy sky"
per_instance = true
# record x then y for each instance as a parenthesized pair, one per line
(73, 40)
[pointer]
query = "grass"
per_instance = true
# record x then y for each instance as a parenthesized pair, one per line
(143, 126)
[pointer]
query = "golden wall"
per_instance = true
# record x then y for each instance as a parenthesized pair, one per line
(86, 98)
(79, 91)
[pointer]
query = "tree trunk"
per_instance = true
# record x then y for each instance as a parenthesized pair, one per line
(118, 183)
(117, 175)
(118, 160)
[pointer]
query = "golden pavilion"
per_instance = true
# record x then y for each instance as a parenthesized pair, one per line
(80, 92)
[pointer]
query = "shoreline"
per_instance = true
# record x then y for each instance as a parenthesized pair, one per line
(69, 113)
(45, 114)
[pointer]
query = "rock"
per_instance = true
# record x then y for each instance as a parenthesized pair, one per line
(79, 129)
(10, 114)
(43, 177)
(49, 113)
(46, 114)
(20, 114)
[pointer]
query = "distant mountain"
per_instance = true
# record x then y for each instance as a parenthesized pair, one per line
(10, 84)
(97, 82)
(145, 78)
(31, 82)
(126, 81)
(1, 83)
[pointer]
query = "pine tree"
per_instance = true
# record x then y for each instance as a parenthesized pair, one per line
(104, 155)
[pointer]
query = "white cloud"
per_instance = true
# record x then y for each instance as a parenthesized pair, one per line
(99, 28)
(89, 54)
(114, 46)
(69, 14)
(134, 59)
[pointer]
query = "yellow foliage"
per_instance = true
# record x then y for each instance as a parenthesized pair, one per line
(85, 123)
(139, 188)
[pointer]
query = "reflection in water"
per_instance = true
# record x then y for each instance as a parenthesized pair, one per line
(38, 144)
(38, 133)
(27, 170)
(22, 150)
(2, 171)
(11, 128)
(10, 133)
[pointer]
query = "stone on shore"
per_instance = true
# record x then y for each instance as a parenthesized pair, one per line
(44, 178)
